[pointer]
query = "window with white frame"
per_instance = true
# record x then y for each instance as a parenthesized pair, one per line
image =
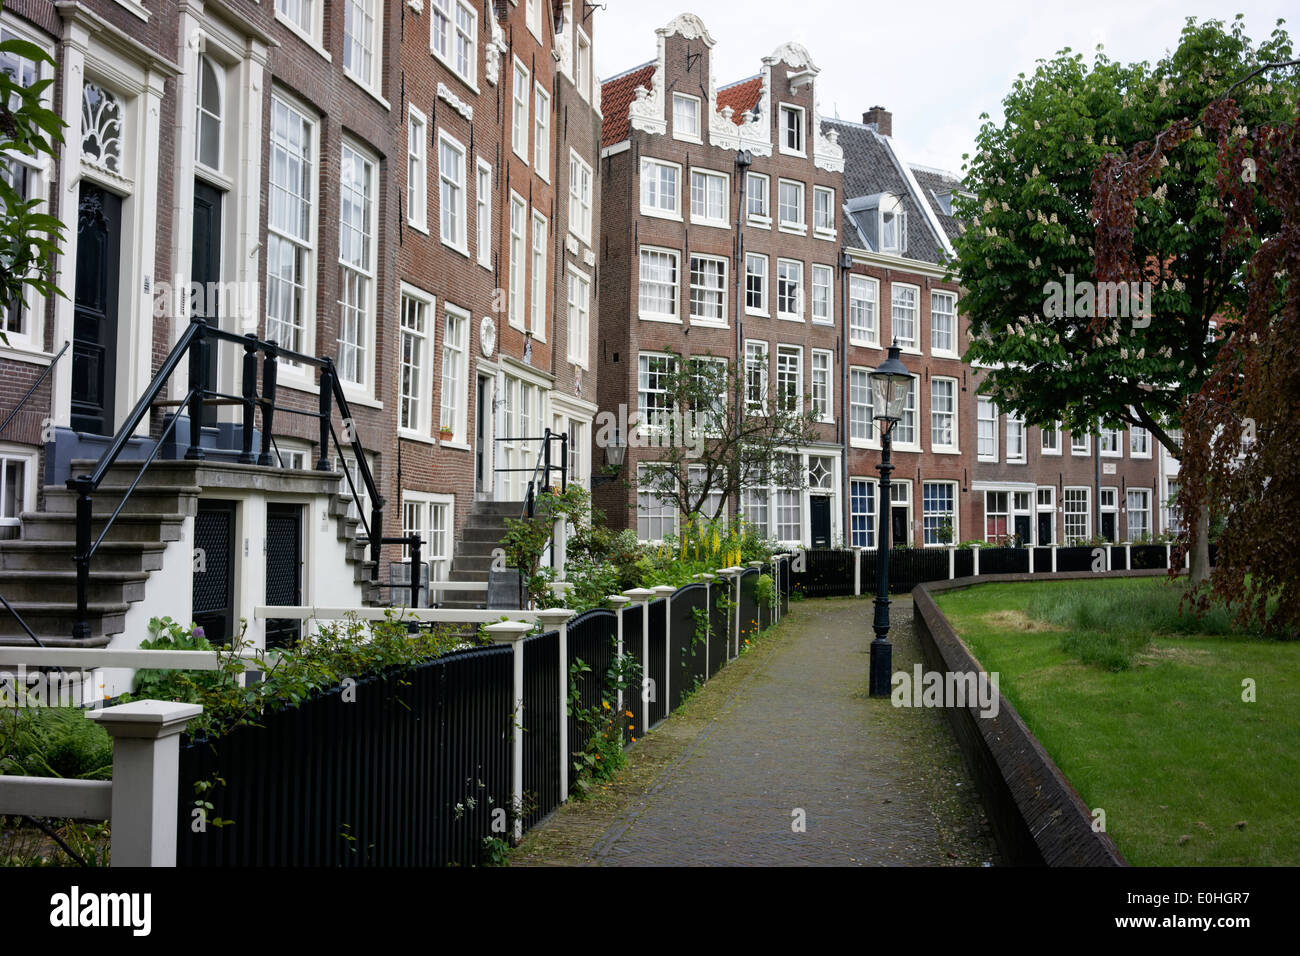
(656, 514)
(451, 191)
(658, 294)
(1080, 444)
(708, 289)
(823, 296)
(660, 188)
(996, 515)
(789, 515)
(417, 202)
(579, 317)
(1046, 505)
(986, 417)
(432, 517)
(577, 450)
(906, 431)
(519, 110)
(863, 294)
(582, 65)
(710, 372)
(1015, 437)
(1050, 439)
(790, 205)
(361, 40)
(1111, 442)
(756, 376)
(483, 214)
(711, 504)
(290, 227)
(579, 197)
(539, 277)
(300, 14)
(893, 226)
(357, 254)
(757, 188)
(542, 134)
(533, 16)
(943, 414)
(455, 371)
(937, 510)
(454, 37)
(823, 389)
(686, 117)
(518, 261)
(792, 129)
(1077, 515)
(208, 127)
(652, 399)
(789, 377)
(754, 506)
(862, 513)
(1139, 514)
(17, 480)
(860, 406)
(347, 462)
(789, 289)
(1139, 442)
(903, 314)
(943, 323)
(824, 212)
(709, 197)
(416, 362)
(755, 284)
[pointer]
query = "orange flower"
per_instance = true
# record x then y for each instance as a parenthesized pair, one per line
(629, 713)
(633, 740)
(631, 727)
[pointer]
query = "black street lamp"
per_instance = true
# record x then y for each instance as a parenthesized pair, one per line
(614, 455)
(889, 387)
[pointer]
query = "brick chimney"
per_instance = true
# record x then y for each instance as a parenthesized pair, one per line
(881, 118)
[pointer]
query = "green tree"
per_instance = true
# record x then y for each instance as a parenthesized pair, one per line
(29, 239)
(1027, 257)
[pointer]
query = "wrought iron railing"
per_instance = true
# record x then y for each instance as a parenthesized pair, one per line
(32, 391)
(542, 467)
(194, 345)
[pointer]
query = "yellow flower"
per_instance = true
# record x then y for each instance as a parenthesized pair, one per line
(605, 704)
(631, 726)
(633, 740)
(629, 713)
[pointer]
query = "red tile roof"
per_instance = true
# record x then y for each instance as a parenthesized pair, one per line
(616, 96)
(740, 97)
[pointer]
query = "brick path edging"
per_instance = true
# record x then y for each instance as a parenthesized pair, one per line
(1038, 818)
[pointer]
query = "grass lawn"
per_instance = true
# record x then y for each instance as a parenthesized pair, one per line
(1143, 712)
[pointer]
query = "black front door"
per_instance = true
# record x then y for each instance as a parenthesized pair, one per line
(94, 327)
(819, 508)
(1045, 522)
(283, 570)
(481, 412)
(214, 569)
(205, 276)
(1108, 525)
(1023, 528)
(898, 536)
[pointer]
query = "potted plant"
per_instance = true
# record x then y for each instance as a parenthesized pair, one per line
(446, 431)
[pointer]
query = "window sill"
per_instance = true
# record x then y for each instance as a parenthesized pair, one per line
(760, 222)
(787, 317)
(522, 157)
(18, 352)
(794, 230)
(827, 322)
(708, 324)
(711, 223)
(859, 344)
(909, 350)
(470, 85)
(1048, 453)
(305, 37)
(419, 226)
(828, 234)
(661, 214)
(668, 319)
(360, 398)
(454, 445)
(408, 435)
(786, 151)
(463, 250)
(940, 353)
(945, 450)
(757, 314)
(370, 90)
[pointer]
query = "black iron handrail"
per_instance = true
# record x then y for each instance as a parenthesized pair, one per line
(544, 466)
(35, 385)
(19, 618)
(194, 345)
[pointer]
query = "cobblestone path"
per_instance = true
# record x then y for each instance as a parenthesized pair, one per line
(783, 759)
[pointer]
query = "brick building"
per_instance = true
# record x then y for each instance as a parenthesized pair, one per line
(721, 239)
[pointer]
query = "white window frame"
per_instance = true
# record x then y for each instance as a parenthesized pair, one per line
(828, 274)
(579, 317)
(659, 208)
(454, 389)
(857, 284)
(912, 407)
(676, 257)
(786, 352)
(1146, 496)
(27, 495)
(1045, 508)
(689, 137)
(983, 420)
(798, 227)
(953, 516)
(644, 412)
(895, 288)
(823, 232)
(1134, 432)
(935, 349)
(787, 109)
(421, 401)
(305, 247)
(426, 504)
(374, 10)
(786, 315)
(1077, 450)
(1067, 513)
(762, 220)
(757, 358)
(537, 270)
(460, 238)
(703, 218)
(483, 212)
(582, 61)
(1046, 449)
(417, 169)
(311, 32)
(753, 257)
(448, 11)
(368, 310)
(870, 516)
(1016, 426)
(861, 409)
(579, 173)
(542, 132)
(519, 109)
(721, 321)
(954, 417)
(827, 402)
(661, 514)
(518, 290)
(1117, 437)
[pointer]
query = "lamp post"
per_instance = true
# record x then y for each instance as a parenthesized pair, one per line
(614, 454)
(889, 387)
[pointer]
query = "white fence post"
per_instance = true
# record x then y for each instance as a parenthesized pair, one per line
(975, 565)
(1128, 557)
(1169, 556)
(619, 602)
(513, 633)
(706, 577)
(146, 778)
(1031, 559)
(1053, 559)
(558, 617)
(857, 572)
(952, 563)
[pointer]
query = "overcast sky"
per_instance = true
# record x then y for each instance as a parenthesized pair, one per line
(936, 65)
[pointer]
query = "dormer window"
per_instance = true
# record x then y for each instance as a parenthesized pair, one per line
(792, 129)
(686, 117)
(893, 225)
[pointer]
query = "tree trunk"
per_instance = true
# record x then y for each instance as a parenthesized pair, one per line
(1198, 562)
